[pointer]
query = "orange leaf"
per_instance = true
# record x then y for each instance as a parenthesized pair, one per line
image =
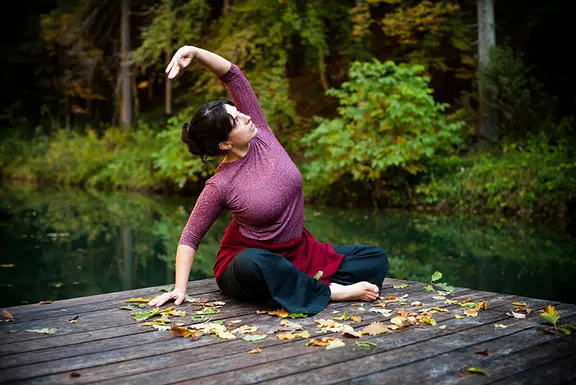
(254, 351)
(471, 312)
(7, 314)
(355, 318)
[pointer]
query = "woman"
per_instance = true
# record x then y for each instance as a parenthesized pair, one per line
(266, 253)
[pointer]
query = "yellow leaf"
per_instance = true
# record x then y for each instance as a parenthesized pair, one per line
(476, 371)
(355, 318)
(458, 316)
(255, 351)
(519, 304)
(140, 300)
(397, 321)
(500, 326)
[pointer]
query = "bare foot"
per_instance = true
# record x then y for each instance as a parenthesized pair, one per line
(363, 291)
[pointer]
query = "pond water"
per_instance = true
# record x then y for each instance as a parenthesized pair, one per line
(59, 244)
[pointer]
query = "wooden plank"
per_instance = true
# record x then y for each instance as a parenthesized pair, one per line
(208, 360)
(509, 355)
(326, 369)
(129, 351)
(561, 371)
(85, 343)
(401, 347)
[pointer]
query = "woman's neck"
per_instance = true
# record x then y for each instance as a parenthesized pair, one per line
(235, 154)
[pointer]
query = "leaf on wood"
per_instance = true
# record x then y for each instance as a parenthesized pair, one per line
(526, 310)
(75, 374)
(282, 313)
(162, 328)
(568, 329)
(225, 335)
(323, 323)
(161, 321)
(7, 314)
(297, 315)
(383, 311)
(200, 318)
(291, 324)
(458, 316)
(500, 326)
(428, 288)
(343, 317)
(336, 343)
(178, 331)
(45, 302)
(481, 306)
(74, 319)
(234, 322)
(442, 327)
(445, 287)
(376, 328)
(520, 304)
(126, 307)
(254, 337)
(452, 302)
(550, 314)
(398, 321)
(476, 371)
(245, 329)
(436, 276)
(428, 320)
(471, 313)
(440, 297)
(140, 300)
(174, 313)
(291, 336)
(351, 333)
(144, 315)
(208, 310)
(516, 315)
(417, 303)
(440, 309)
(42, 331)
(196, 300)
(403, 286)
(482, 352)
(355, 318)
(166, 289)
(365, 344)
(255, 351)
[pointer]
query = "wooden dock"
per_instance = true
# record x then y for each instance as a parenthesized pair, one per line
(106, 345)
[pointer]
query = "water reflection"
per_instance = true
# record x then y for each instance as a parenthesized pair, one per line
(70, 243)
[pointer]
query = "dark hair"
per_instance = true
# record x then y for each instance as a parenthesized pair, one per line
(210, 124)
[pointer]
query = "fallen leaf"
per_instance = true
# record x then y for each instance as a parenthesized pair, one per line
(355, 318)
(471, 312)
(476, 371)
(458, 316)
(178, 331)
(75, 374)
(245, 329)
(254, 337)
(376, 328)
(198, 318)
(550, 314)
(428, 320)
(42, 331)
(335, 344)
(144, 315)
(45, 302)
(351, 333)
(442, 327)
(166, 289)
(516, 315)
(322, 323)
(196, 300)
(225, 335)
(231, 323)
(397, 321)
(290, 324)
(208, 310)
(522, 304)
(126, 307)
(365, 344)
(74, 319)
(383, 311)
(320, 341)
(7, 314)
(297, 315)
(255, 351)
(343, 317)
(440, 309)
(568, 329)
(500, 326)
(162, 328)
(481, 306)
(482, 352)
(445, 287)
(403, 286)
(440, 297)
(428, 288)
(140, 300)
(416, 303)
(292, 336)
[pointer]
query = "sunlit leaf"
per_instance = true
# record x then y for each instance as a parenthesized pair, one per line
(208, 310)
(471, 312)
(403, 286)
(397, 321)
(500, 326)
(254, 337)
(290, 324)
(336, 343)
(476, 371)
(376, 328)
(428, 288)
(428, 320)
(198, 318)
(7, 314)
(445, 287)
(225, 335)
(43, 331)
(436, 276)
(521, 304)
(550, 314)
(140, 300)
(297, 315)
(344, 317)
(440, 309)
(126, 307)
(355, 318)
(458, 316)
(255, 351)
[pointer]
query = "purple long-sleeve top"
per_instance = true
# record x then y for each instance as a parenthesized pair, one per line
(262, 190)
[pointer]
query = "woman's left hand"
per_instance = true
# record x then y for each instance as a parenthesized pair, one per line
(181, 59)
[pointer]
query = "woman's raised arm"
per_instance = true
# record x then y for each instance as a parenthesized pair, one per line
(209, 60)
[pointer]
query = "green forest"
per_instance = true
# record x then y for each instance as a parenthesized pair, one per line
(431, 105)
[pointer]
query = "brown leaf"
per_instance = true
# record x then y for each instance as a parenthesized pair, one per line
(322, 341)
(7, 314)
(322, 323)
(74, 319)
(482, 352)
(178, 331)
(351, 333)
(471, 312)
(376, 328)
(255, 351)
(75, 374)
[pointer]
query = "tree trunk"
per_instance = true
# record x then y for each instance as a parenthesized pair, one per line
(126, 111)
(488, 124)
(225, 7)
(168, 87)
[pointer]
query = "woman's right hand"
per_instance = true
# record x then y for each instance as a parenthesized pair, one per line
(181, 59)
(176, 295)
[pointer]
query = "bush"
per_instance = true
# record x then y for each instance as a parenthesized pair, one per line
(388, 128)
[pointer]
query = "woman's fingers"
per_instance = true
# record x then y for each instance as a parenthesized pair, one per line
(179, 299)
(159, 301)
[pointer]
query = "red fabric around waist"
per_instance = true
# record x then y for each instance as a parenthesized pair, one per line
(306, 253)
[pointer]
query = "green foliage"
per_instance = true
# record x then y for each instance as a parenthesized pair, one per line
(536, 175)
(388, 122)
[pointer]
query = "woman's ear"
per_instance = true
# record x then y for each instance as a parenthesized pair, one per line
(224, 146)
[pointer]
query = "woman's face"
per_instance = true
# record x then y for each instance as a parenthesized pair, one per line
(244, 130)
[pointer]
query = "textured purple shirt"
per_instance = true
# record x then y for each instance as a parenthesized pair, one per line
(262, 190)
